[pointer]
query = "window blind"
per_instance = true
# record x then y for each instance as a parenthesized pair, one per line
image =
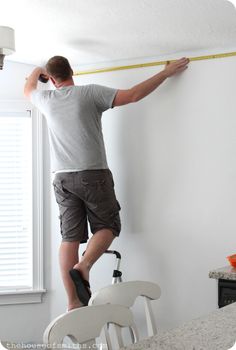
(15, 201)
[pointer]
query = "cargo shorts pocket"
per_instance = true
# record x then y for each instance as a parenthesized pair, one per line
(116, 207)
(96, 191)
(61, 194)
(115, 214)
(94, 184)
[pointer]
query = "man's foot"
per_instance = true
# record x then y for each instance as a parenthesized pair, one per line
(72, 307)
(74, 304)
(82, 286)
(84, 270)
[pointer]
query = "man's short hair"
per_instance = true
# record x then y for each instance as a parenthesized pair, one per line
(59, 68)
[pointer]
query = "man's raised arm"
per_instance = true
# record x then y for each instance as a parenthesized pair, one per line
(32, 81)
(143, 89)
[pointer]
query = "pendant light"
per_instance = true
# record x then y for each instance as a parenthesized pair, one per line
(7, 43)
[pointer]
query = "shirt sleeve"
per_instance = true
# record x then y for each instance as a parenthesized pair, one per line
(38, 98)
(103, 96)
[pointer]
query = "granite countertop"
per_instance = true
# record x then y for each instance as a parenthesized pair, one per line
(217, 331)
(224, 273)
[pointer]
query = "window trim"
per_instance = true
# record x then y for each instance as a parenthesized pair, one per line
(34, 295)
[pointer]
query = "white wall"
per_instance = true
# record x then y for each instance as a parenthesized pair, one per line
(26, 322)
(173, 159)
(172, 156)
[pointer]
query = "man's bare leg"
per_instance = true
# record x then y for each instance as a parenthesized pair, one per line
(97, 245)
(68, 257)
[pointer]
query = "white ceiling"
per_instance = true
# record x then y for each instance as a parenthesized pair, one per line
(100, 31)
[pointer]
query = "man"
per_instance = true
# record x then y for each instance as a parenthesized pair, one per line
(83, 184)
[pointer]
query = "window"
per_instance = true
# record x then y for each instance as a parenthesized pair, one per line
(21, 279)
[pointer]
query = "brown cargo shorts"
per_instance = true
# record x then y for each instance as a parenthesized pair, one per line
(86, 196)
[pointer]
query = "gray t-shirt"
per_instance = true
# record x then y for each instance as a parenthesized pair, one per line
(73, 115)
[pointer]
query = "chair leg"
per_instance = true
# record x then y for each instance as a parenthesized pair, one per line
(151, 323)
(107, 337)
(119, 336)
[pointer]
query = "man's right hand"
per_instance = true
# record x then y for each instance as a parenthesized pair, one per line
(143, 89)
(176, 67)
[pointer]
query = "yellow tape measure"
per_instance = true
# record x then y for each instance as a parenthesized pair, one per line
(152, 64)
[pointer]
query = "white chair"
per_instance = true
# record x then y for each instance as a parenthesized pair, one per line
(125, 293)
(83, 325)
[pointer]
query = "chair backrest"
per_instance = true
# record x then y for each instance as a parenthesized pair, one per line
(125, 293)
(84, 325)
